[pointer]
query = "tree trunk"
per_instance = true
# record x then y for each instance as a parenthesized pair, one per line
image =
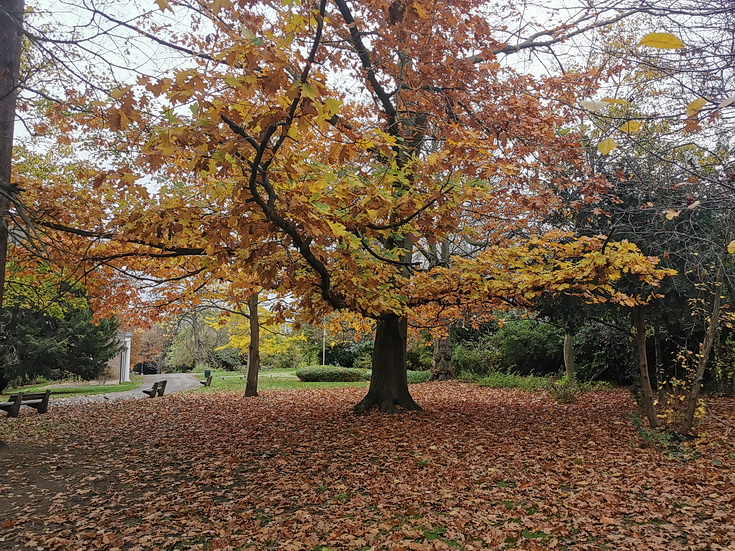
(639, 322)
(198, 360)
(709, 339)
(660, 371)
(569, 367)
(11, 31)
(441, 369)
(388, 384)
(251, 387)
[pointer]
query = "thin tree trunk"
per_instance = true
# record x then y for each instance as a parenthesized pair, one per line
(709, 340)
(251, 387)
(639, 322)
(659, 366)
(441, 369)
(198, 360)
(11, 31)
(388, 383)
(569, 367)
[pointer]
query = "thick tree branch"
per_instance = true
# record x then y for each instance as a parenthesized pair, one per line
(367, 64)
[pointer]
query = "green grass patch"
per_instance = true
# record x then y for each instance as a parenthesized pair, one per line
(268, 380)
(83, 389)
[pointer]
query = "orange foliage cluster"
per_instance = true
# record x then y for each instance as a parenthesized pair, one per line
(317, 150)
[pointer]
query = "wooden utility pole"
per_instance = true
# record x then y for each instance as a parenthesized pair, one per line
(11, 32)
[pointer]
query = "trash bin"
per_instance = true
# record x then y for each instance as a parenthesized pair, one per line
(207, 373)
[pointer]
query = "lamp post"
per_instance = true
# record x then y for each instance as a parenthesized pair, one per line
(324, 346)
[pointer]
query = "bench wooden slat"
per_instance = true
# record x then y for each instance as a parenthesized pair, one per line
(153, 391)
(158, 388)
(13, 405)
(36, 400)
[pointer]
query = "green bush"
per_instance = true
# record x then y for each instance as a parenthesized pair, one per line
(602, 352)
(331, 373)
(564, 390)
(418, 376)
(529, 347)
(363, 361)
(475, 358)
(419, 358)
(227, 359)
(345, 354)
(496, 379)
(287, 356)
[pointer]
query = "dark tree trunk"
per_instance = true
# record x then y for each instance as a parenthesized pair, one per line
(649, 408)
(251, 387)
(388, 384)
(441, 370)
(11, 21)
(569, 367)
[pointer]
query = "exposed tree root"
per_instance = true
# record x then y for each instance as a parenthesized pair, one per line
(387, 404)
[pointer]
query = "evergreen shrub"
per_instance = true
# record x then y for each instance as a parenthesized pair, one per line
(529, 347)
(331, 373)
(415, 377)
(475, 358)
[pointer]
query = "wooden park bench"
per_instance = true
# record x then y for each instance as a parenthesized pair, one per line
(157, 389)
(37, 400)
(207, 382)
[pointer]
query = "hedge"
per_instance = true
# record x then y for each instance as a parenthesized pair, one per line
(329, 373)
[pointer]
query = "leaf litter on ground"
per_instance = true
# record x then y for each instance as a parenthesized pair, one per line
(480, 468)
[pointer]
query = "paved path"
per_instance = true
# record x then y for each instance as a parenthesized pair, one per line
(177, 382)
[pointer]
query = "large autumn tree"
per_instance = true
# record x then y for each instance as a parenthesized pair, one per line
(323, 146)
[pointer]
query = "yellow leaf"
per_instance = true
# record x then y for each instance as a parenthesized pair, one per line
(696, 106)
(420, 11)
(671, 214)
(163, 5)
(615, 100)
(606, 146)
(731, 247)
(120, 92)
(631, 126)
(662, 41)
(331, 106)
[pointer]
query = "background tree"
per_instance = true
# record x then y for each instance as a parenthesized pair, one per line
(667, 153)
(55, 342)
